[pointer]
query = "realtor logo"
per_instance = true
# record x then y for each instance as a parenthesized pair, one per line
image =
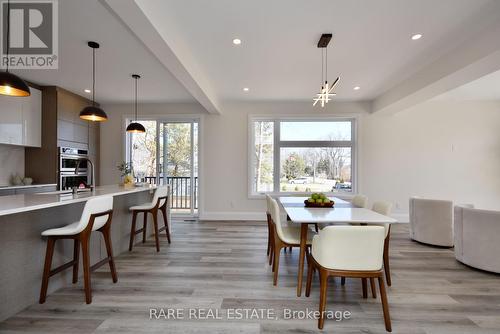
(33, 34)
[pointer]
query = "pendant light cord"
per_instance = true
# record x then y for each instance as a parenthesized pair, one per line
(135, 104)
(326, 65)
(322, 69)
(93, 77)
(8, 34)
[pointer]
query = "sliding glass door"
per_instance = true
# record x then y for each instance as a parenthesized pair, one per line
(168, 154)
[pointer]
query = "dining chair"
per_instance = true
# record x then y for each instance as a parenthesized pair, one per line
(270, 233)
(360, 201)
(283, 236)
(385, 208)
(335, 252)
(96, 216)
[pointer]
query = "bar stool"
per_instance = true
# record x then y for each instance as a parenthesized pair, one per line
(96, 216)
(159, 203)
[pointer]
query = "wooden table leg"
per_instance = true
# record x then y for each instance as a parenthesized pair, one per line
(303, 241)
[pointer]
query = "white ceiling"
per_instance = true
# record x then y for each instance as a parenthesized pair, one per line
(278, 58)
(120, 55)
(486, 88)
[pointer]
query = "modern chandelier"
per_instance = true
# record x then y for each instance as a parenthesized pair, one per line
(326, 92)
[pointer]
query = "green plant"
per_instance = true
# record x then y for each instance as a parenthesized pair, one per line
(125, 168)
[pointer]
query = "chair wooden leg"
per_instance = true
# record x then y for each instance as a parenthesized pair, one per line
(290, 249)
(387, 268)
(109, 250)
(363, 284)
(276, 264)
(46, 269)
(132, 231)
(268, 238)
(310, 270)
(86, 268)
(372, 286)
(145, 227)
(76, 256)
(323, 277)
(385, 304)
(165, 219)
(342, 280)
(316, 228)
(155, 225)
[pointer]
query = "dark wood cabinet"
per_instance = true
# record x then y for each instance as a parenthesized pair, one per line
(61, 126)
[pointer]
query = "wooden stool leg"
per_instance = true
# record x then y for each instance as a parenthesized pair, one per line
(165, 219)
(155, 225)
(109, 250)
(46, 269)
(145, 226)
(385, 305)
(310, 270)
(323, 278)
(76, 256)
(372, 286)
(132, 230)
(86, 268)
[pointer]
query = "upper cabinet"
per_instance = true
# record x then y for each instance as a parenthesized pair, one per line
(20, 119)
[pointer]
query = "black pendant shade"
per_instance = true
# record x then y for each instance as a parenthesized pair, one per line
(10, 84)
(93, 113)
(135, 127)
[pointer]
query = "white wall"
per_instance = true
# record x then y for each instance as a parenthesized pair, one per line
(448, 150)
(406, 154)
(11, 162)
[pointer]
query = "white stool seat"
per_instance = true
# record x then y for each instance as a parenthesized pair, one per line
(145, 206)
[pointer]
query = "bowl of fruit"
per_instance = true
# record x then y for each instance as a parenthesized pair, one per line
(318, 200)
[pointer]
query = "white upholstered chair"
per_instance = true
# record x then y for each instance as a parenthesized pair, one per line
(360, 201)
(385, 208)
(336, 251)
(161, 203)
(96, 216)
(431, 221)
(283, 236)
(476, 238)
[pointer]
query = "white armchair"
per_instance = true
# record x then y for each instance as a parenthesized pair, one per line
(476, 238)
(431, 221)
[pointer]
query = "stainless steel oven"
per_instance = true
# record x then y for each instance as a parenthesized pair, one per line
(68, 159)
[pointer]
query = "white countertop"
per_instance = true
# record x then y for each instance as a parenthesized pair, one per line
(12, 204)
(22, 186)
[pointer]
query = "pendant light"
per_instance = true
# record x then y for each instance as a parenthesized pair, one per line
(10, 84)
(326, 91)
(135, 127)
(93, 112)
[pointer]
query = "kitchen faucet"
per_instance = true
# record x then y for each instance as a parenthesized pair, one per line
(92, 183)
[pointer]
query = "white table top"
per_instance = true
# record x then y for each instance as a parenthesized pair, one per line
(342, 212)
(12, 204)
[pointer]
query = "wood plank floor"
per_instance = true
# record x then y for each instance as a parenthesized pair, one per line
(222, 265)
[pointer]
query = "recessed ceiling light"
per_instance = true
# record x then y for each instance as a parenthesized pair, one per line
(87, 90)
(416, 36)
(357, 88)
(246, 89)
(236, 41)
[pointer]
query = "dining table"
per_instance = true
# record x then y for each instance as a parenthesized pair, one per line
(342, 212)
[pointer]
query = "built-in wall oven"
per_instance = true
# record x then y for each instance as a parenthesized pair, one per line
(68, 160)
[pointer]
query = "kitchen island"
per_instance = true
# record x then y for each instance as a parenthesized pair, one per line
(22, 249)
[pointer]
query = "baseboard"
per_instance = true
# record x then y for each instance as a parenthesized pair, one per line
(243, 216)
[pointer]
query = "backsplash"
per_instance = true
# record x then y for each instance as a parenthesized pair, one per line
(11, 162)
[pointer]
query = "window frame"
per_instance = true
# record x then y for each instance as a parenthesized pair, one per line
(278, 144)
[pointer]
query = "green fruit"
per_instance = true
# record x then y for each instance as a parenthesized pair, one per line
(314, 196)
(311, 200)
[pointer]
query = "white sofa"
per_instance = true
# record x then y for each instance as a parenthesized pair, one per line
(477, 241)
(431, 221)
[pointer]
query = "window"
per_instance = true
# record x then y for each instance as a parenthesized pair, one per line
(314, 155)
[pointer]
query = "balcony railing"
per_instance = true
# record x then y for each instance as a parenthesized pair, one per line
(180, 187)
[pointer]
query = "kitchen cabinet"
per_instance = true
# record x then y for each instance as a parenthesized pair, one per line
(20, 119)
(62, 127)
